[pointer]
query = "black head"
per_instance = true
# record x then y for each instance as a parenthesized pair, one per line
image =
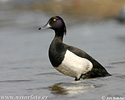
(56, 23)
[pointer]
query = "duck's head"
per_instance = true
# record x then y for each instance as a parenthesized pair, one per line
(56, 23)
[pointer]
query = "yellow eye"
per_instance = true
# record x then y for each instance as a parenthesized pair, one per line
(54, 20)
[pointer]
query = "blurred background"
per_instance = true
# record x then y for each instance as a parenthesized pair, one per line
(95, 26)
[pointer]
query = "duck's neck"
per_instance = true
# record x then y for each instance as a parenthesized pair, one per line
(59, 35)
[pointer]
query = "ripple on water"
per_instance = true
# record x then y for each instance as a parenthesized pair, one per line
(15, 81)
(118, 62)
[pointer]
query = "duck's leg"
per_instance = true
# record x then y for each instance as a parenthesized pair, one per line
(77, 79)
(85, 76)
(81, 76)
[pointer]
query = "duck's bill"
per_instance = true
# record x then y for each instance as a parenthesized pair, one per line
(47, 26)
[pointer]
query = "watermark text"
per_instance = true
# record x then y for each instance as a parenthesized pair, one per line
(112, 98)
(31, 97)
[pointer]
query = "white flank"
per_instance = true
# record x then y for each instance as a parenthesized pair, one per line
(73, 65)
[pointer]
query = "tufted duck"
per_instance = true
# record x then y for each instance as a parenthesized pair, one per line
(70, 60)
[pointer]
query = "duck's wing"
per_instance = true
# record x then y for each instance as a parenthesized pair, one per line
(83, 54)
(98, 70)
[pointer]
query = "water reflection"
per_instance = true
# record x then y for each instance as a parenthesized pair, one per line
(57, 89)
(70, 88)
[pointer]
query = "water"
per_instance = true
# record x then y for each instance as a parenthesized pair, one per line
(25, 67)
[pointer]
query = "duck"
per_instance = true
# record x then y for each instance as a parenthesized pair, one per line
(121, 16)
(69, 60)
